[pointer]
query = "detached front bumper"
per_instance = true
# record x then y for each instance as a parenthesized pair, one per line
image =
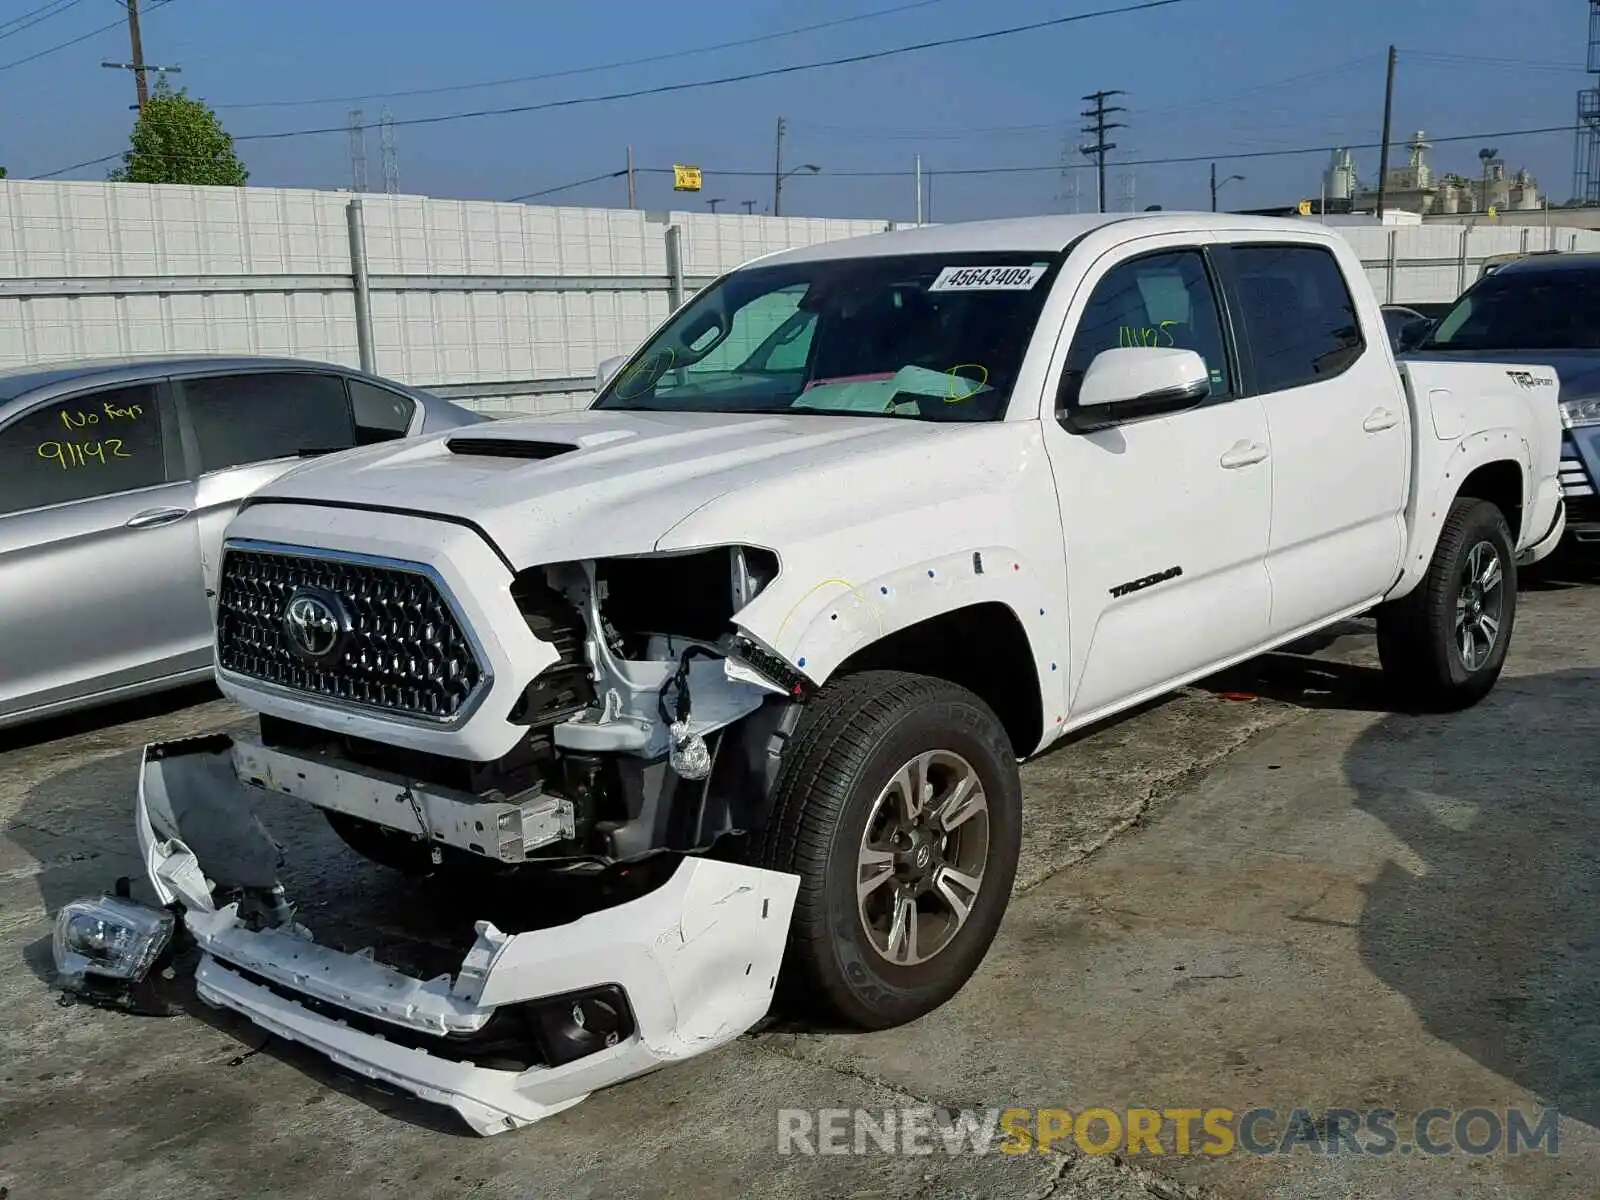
(694, 961)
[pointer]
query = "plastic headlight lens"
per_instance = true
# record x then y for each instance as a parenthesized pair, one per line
(1580, 412)
(110, 938)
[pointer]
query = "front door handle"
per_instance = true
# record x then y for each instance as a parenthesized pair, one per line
(1243, 453)
(1380, 419)
(152, 518)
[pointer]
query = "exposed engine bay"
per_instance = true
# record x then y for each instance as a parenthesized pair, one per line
(657, 730)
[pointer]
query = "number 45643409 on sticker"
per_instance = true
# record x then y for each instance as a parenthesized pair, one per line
(988, 279)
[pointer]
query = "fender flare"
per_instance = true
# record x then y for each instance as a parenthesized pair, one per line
(1426, 514)
(836, 618)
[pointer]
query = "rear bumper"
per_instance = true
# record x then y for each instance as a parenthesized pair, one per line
(696, 959)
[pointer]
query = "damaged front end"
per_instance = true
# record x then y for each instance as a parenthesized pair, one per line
(560, 1011)
(646, 750)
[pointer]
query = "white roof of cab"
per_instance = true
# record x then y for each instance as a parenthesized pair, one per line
(1042, 234)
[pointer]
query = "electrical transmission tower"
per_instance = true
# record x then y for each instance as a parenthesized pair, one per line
(1586, 152)
(1097, 128)
(389, 151)
(358, 152)
(1129, 184)
(1071, 193)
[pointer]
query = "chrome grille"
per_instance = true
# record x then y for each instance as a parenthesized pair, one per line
(402, 651)
(1574, 481)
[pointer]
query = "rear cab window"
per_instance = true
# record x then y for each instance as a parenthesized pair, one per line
(94, 444)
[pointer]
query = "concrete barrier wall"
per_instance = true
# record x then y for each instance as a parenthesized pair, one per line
(505, 307)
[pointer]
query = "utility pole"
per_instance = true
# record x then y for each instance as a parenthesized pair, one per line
(749, 207)
(919, 189)
(632, 193)
(1098, 128)
(138, 66)
(777, 172)
(1213, 187)
(136, 48)
(1383, 151)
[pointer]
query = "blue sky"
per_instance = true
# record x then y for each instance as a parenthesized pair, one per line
(1203, 77)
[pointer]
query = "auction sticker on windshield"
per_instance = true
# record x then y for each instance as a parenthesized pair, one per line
(988, 279)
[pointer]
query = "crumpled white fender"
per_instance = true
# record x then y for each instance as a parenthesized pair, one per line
(697, 958)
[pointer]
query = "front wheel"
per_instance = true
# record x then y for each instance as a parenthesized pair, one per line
(899, 805)
(1443, 645)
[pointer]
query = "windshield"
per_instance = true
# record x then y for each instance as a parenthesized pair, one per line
(1524, 310)
(929, 337)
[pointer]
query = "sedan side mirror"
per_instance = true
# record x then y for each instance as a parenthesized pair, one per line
(608, 368)
(1131, 383)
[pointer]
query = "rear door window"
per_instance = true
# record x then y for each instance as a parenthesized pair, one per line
(249, 418)
(1299, 317)
(91, 445)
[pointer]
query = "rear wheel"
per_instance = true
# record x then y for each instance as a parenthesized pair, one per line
(1443, 646)
(899, 805)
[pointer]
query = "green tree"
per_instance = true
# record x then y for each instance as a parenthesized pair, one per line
(178, 139)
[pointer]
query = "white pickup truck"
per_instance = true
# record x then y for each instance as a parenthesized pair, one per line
(761, 636)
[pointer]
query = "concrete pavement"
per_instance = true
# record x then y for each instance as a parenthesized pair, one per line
(1300, 900)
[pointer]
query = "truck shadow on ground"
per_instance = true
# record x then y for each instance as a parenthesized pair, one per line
(1495, 942)
(1294, 675)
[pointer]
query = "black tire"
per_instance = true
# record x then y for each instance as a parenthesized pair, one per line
(848, 745)
(1417, 634)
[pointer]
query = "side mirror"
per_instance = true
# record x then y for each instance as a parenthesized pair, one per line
(608, 368)
(1134, 382)
(1412, 333)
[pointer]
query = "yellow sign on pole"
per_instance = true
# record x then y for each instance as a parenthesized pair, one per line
(1494, 213)
(685, 179)
(1305, 208)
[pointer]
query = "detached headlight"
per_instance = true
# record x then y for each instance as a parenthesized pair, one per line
(1580, 412)
(108, 937)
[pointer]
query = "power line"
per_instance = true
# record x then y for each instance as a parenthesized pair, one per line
(578, 183)
(591, 70)
(1054, 128)
(691, 85)
(1178, 160)
(119, 23)
(1489, 61)
(1021, 169)
(43, 13)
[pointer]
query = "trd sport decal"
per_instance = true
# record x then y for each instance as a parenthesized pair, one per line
(1528, 380)
(1138, 585)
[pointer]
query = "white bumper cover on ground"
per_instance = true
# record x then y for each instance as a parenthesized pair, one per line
(697, 958)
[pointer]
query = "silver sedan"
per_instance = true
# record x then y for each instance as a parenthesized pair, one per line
(116, 482)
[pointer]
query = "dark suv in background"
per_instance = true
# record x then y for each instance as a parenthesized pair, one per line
(1543, 310)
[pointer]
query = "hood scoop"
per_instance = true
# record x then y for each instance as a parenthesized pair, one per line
(494, 447)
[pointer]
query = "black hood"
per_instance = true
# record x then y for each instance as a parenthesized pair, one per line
(1578, 370)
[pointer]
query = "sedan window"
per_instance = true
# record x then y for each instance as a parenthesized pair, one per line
(241, 419)
(379, 413)
(93, 444)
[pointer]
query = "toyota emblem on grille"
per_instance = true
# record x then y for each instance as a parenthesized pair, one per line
(315, 624)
